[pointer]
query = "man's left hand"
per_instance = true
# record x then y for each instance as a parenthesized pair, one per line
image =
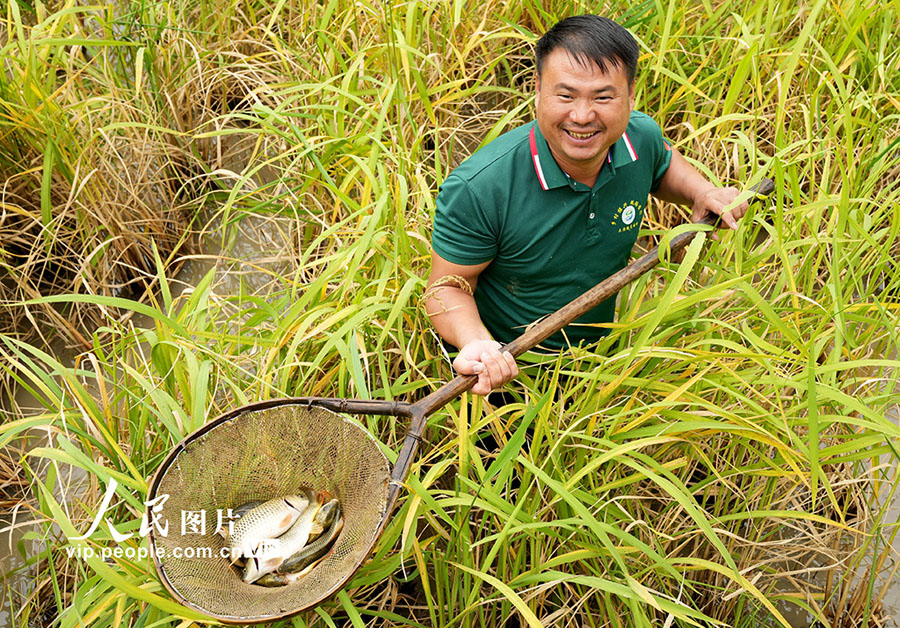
(683, 184)
(716, 200)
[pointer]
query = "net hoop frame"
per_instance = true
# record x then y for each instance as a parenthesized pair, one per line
(346, 406)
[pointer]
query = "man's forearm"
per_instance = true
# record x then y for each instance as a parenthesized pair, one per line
(682, 184)
(455, 316)
(451, 307)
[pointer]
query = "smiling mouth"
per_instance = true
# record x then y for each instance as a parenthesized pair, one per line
(580, 136)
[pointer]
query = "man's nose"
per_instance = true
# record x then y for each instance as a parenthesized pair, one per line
(582, 112)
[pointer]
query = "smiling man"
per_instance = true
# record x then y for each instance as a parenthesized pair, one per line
(549, 209)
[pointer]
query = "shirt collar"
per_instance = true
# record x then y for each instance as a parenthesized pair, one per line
(548, 172)
(550, 175)
(623, 152)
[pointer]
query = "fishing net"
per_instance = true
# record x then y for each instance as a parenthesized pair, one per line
(274, 448)
(258, 455)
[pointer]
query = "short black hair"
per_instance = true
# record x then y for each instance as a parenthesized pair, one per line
(591, 38)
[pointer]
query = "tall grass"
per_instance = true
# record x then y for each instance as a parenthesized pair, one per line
(724, 445)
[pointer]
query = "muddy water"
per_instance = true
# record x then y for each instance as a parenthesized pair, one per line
(14, 581)
(14, 525)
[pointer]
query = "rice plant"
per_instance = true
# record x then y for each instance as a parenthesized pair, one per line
(725, 457)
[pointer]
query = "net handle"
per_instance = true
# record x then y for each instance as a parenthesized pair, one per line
(542, 330)
(552, 323)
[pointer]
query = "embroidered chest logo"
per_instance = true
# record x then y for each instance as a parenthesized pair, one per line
(628, 216)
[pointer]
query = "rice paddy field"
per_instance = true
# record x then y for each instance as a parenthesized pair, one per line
(207, 203)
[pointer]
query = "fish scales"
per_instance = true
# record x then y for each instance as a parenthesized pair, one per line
(287, 544)
(266, 521)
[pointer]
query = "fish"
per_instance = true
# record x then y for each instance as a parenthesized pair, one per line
(237, 513)
(300, 560)
(278, 579)
(301, 563)
(324, 518)
(288, 543)
(243, 509)
(266, 521)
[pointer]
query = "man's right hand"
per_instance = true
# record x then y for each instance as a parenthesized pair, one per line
(484, 358)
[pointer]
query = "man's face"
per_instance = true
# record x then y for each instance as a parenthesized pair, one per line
(581, 111)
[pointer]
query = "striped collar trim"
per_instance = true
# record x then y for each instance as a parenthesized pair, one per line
(622, 152)
(536, 159)
(630, 147)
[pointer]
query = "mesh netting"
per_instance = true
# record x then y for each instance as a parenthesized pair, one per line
(259, 455)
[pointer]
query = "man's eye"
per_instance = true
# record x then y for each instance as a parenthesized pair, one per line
(603, 99)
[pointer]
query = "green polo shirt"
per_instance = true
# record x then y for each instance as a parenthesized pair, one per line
(548, 237)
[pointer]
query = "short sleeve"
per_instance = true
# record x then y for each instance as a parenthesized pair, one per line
(663, 157)
(463, 233)
(644, 130)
